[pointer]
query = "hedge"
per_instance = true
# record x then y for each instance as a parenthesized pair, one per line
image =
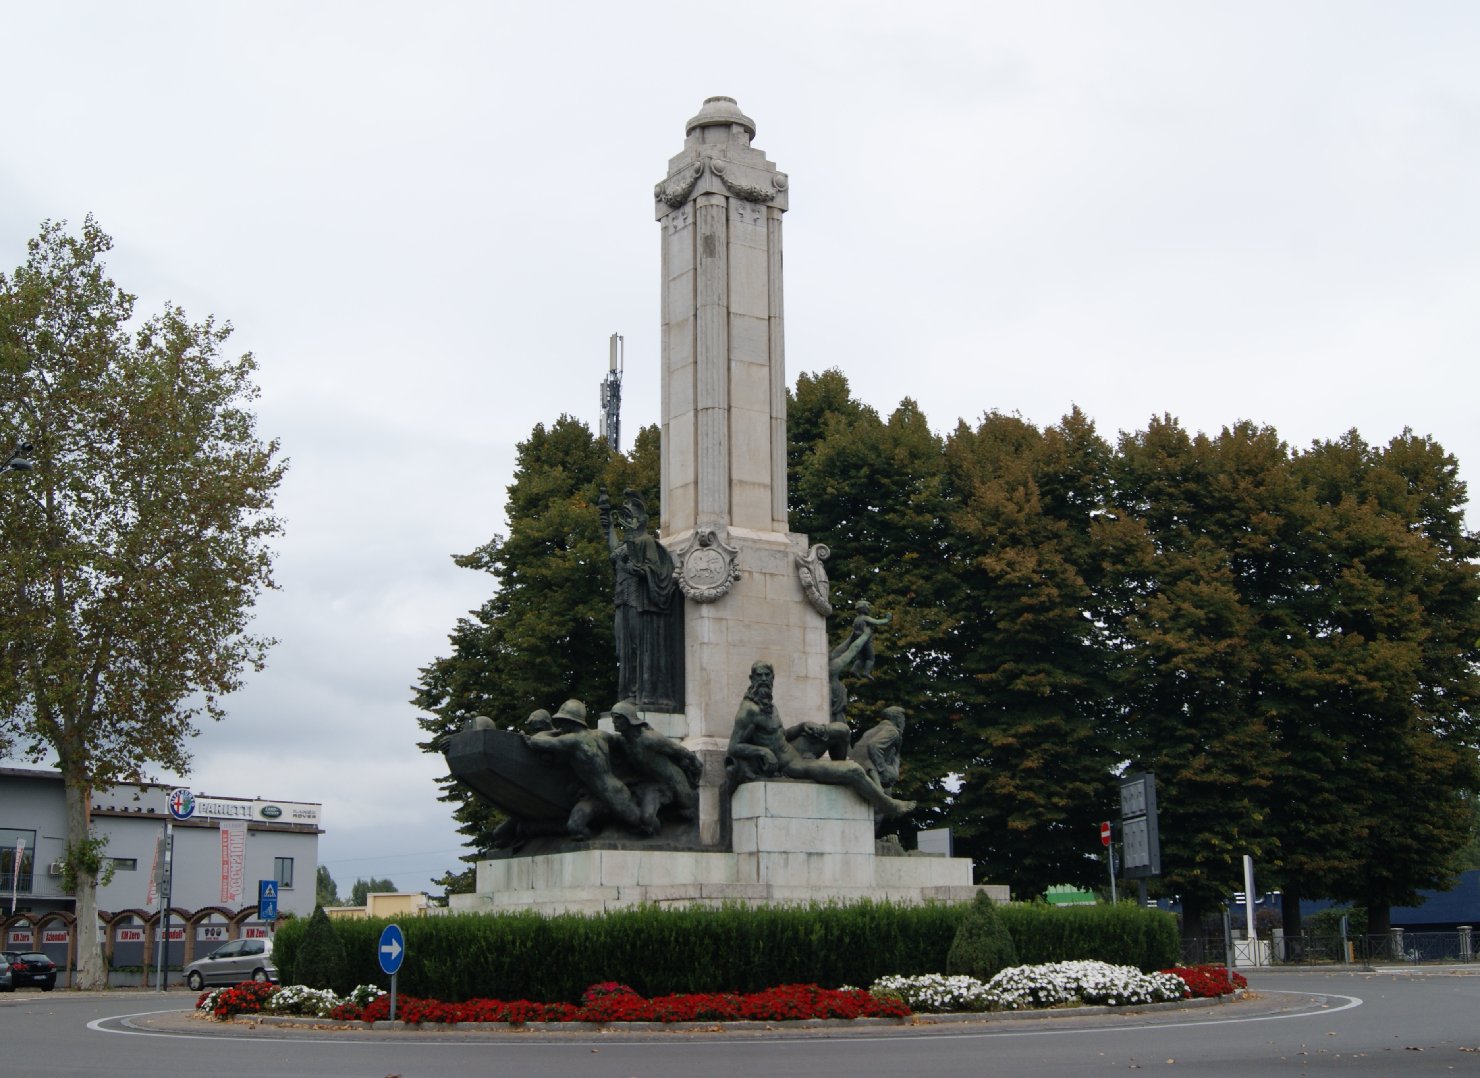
(662, 950)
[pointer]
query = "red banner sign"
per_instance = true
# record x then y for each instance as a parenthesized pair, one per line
(233, 861)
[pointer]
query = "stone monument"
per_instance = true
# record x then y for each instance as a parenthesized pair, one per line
(793, 817)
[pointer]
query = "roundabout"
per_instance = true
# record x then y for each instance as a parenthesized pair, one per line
(1368, 1023)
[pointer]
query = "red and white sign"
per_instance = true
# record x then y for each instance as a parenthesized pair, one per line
(130, 935)
(1105, 833)
(55, 935)
(20, 937)
(213, 932)
(256, 932)
(233, 861)
(176, 934)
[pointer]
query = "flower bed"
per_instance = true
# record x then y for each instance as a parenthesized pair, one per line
(601, 1003)
(1058, 984)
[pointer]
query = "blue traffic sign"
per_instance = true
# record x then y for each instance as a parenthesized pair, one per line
(267, 896)
(392, 949)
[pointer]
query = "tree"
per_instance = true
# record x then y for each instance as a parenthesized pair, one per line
(1028, 652)
(326, 892)
(1400, 595)
(320, 959)
(132, 554)
(982, 947)
(372, 886)
(546, 634)
(1186, 623)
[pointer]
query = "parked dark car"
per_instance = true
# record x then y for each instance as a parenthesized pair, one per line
(232, 963)
(28, 969)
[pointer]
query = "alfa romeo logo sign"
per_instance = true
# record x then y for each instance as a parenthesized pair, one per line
(182, 804)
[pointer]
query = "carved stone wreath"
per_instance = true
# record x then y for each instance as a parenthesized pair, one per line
(675, 189)
(707, 565)
(815, 585)
(748, 191)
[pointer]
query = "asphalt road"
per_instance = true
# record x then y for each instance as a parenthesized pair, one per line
(1408, 1023)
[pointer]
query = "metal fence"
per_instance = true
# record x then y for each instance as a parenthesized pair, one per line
(1388, 948)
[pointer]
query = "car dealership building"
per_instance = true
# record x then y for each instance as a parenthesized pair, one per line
(221, 851)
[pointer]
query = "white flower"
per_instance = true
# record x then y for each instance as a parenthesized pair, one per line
(1025, 987)
(300, 999)
(933, 992)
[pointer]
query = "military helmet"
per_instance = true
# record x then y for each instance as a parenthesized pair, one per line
(627, 710)
(572, 713)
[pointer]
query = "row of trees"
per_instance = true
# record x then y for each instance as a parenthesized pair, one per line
(1286, 638)
(326, 891)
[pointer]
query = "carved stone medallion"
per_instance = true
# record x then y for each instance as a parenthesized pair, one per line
(707, 565)
(815, 585)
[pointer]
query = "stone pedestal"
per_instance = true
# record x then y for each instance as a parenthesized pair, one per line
(794, 843)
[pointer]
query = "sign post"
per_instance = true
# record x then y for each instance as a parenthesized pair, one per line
(1107, 840)
(161, 885)
(392, 952)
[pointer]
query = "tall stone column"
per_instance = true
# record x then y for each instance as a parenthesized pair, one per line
(724, 511)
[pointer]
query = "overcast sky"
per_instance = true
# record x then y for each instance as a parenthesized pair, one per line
(426, 219)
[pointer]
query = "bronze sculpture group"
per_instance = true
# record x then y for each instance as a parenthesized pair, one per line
(762, 747)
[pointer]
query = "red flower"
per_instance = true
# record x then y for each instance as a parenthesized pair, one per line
(611, 1002)
(1208, 982)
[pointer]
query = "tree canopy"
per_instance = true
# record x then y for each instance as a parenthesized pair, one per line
(372, 886)
(326, 891)
(131, 555)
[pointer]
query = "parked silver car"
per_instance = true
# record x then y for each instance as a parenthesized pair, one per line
(232, 963)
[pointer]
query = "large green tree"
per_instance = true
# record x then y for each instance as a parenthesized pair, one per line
(1029, 665)
(1187, 627)
(132, 554)
(1391, 696)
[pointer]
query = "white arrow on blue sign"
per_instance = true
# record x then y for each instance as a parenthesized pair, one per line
(392, 949)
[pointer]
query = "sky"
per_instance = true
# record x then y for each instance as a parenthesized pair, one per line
(426, 220)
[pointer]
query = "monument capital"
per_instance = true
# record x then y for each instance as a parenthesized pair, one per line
(718, 159)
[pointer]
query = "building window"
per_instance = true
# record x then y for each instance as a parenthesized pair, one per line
(17, 848)
(125, 864)
(282, 871)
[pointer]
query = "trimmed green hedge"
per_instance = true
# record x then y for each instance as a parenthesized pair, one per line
(1123, 934)
(740, 949)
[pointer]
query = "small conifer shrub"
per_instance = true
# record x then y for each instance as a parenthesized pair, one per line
(983, 947)
(319, 962)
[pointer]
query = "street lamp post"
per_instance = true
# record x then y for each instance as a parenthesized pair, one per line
(19, 459)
